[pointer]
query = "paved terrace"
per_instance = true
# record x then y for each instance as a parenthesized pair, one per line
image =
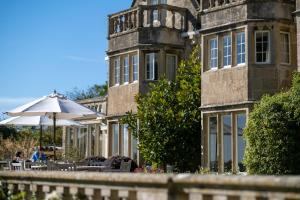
(118, 186)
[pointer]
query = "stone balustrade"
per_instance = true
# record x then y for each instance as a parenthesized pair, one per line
(215, 4)
(148, 16)
(118, 186)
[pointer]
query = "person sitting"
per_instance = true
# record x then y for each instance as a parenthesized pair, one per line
(18, 157)
(38, 154)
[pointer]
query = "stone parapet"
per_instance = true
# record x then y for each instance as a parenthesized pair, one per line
(150, 186)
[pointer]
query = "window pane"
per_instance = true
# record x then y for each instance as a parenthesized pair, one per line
(262, 46)
(285, 47)
(152, 66)
(125, 140)
(227, 142)
(213, 144)
(171, 66)
(115, 143)
(117, 70)
(213, 53)
(126, 69)
(135, 67)
(241, 123)
(133, 148)
(226, 51)
(240, 48)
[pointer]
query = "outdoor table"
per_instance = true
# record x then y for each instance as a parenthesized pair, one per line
(39, 167)
(91, 168)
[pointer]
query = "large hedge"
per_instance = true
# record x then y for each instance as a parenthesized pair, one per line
(170, 119)
(273, 134)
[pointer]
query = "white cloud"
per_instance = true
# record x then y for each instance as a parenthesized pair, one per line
(82, 59)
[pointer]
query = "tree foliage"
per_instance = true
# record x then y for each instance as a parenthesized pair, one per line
(93, 91)
(168, 116)
(273, 134)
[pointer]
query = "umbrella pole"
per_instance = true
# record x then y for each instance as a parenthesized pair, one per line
(41, 133)
(54, 134)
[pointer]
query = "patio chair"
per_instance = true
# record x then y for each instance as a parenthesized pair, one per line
(124, 167)
(17, 166)
(27, 165)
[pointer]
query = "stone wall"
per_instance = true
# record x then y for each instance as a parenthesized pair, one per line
(121, 99)
(132, 186)
(225, 86)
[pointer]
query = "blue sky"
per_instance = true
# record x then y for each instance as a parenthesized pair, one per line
(52, 44)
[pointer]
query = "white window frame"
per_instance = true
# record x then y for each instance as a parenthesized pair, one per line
(210, 55)
(135, 72)
(289, 48)
(126, 69)
(117, 68)
(241, 44)
(268, 50)
(155, 55)
(176, 62)
(229, 53)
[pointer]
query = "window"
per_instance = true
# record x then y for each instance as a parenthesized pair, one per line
(133, 148)
(125, 141)
(126, 69)
(155, 12)
(117, 70)
(262, 49)
(227, 51)
(240, 46)
(171, 66)
(152, 66)
(227, 142)
(115, 138)
(285, 47)
(135, 66)
(241, 123)
(213, 47)
(213, 158)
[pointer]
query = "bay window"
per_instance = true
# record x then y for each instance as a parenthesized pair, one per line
(117, 70)
(285, 47)
(227, 51)
(126, 69)
(135, 67)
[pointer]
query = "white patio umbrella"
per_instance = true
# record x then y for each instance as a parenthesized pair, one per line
(55, 106)
(38, 121)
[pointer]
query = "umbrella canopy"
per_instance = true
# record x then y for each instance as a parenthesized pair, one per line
(37, 121)
(53, 104)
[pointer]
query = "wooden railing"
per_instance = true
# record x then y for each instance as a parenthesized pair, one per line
(148, 16)
(118, 186)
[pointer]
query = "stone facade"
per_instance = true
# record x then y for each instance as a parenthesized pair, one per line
(145, 43)
(248, 49)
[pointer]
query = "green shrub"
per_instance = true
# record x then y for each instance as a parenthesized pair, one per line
(273, 134)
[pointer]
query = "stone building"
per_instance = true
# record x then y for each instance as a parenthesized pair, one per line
(248, 49)
(145, 43)
(91, 139)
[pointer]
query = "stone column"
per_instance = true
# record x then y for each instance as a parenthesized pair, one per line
(89, 141)
(75, 139)
(64, 139)
(97, 140)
